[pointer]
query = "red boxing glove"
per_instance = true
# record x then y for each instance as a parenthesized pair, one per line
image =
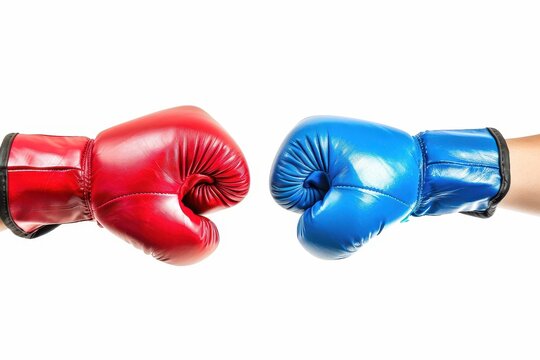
(147, 180)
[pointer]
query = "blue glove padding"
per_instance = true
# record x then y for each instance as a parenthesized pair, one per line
(351, 178)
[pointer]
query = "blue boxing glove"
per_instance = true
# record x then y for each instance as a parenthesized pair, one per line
(351, 178)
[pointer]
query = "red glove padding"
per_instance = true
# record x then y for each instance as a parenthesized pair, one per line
(147, 180)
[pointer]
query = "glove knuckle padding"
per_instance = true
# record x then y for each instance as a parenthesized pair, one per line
(214, 187)
(349, 177)
(181, 163)
(301, 157)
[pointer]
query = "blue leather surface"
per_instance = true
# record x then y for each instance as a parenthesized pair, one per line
(461, 171)
(351, 178)
(372, 170)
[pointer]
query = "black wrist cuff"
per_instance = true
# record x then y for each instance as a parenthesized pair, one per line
(504, 168)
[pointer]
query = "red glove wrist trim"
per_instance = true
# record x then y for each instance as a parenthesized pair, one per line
(5, 214)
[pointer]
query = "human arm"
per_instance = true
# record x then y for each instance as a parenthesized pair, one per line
(524, 193)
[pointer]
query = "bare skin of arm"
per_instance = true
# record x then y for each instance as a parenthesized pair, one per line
(524, 194)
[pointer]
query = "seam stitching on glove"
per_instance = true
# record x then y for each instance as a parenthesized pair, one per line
(133, 194)
(87, 173)
(462, 164)
(421, 180)
(371, 189)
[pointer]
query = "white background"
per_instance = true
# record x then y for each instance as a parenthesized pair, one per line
(433, 288)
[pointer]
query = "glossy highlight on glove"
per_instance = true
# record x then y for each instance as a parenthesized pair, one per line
(361, 191)
(147, 180)
(351, 178)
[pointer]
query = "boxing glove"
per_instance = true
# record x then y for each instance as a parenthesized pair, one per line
(147, 180)
(352, 178)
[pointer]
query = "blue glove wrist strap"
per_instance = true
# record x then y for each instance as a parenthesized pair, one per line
(465, 171)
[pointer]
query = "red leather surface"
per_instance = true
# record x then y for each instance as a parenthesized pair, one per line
(148, 181)
(46, 180)
(147, 174)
